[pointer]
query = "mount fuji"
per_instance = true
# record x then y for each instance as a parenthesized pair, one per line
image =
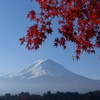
(46, 75)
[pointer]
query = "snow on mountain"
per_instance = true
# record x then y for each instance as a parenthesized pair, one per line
(40, 68)
(45, 75)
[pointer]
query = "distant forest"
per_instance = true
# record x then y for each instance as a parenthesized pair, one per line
(53, 96)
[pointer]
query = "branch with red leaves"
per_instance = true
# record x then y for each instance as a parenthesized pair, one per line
(79, 21)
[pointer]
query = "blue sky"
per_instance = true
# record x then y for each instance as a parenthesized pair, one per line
(13, 57)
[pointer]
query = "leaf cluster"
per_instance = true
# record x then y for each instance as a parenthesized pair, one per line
(79, 21)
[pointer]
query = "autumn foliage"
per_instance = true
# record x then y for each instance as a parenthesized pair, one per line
(79, 22)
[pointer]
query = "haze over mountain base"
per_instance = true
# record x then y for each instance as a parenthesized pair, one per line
(46, 75)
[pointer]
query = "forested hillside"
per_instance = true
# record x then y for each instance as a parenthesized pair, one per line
(53, 96)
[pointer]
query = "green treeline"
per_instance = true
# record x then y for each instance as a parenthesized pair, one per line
(53, 96)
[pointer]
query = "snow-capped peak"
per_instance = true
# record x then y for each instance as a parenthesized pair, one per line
(45, 75)
(43, 67)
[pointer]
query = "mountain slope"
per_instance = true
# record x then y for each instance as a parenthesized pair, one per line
(40, 68)
(45, 75)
